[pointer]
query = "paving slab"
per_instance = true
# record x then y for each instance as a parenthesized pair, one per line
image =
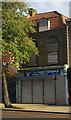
(40, 108)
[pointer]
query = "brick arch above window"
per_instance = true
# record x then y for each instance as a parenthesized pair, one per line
(52, 39)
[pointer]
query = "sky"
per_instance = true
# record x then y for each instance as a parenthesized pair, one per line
(62, 6)
(41, 6)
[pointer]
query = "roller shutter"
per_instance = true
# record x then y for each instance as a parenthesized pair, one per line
(26, 91)
(37, 91)
(49, 91)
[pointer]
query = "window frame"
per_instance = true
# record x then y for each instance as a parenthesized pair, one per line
(44, 24)
(52, 53)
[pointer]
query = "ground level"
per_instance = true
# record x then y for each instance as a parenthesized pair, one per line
(17, 114)
(40, 108)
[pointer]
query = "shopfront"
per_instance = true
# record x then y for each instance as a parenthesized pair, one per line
(43, 85)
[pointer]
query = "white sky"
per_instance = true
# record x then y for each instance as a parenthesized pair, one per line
(61, 6)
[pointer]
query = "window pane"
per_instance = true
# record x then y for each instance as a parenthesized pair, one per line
(43, 25)
(43, 22)
(42, 28)
(52, 57)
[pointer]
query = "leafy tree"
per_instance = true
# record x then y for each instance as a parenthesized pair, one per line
(15, 34)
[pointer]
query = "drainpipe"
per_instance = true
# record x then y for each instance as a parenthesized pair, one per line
(66, 84)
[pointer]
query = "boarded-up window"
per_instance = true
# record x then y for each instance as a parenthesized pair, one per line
(52, 52)
(52, 58)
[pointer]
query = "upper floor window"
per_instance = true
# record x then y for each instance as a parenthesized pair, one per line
(52, 49)
(44, 24)
(53, 58)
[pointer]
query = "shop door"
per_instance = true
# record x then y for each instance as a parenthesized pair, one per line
(26, 91)
(49, 91)
(37, 91)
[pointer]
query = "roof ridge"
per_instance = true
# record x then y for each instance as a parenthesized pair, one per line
(45, 12)
(51, 12)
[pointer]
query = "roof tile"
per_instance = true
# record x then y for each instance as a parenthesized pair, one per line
(56, 19)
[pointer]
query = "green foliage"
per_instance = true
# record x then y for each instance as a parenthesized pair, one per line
(15, 29)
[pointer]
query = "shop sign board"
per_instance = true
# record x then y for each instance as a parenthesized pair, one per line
(42, 73)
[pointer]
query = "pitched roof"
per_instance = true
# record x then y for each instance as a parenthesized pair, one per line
(56, 18)
(48, 15)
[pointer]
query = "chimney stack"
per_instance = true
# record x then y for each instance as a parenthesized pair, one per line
(32, 11)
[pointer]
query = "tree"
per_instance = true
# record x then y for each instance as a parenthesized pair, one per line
(15, 34)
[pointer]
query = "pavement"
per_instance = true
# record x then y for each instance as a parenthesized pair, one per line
(39, 108)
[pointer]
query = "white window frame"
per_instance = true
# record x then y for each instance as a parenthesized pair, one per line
(44, 24)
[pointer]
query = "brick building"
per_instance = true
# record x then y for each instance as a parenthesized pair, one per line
(44, 79)
(50, 38)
